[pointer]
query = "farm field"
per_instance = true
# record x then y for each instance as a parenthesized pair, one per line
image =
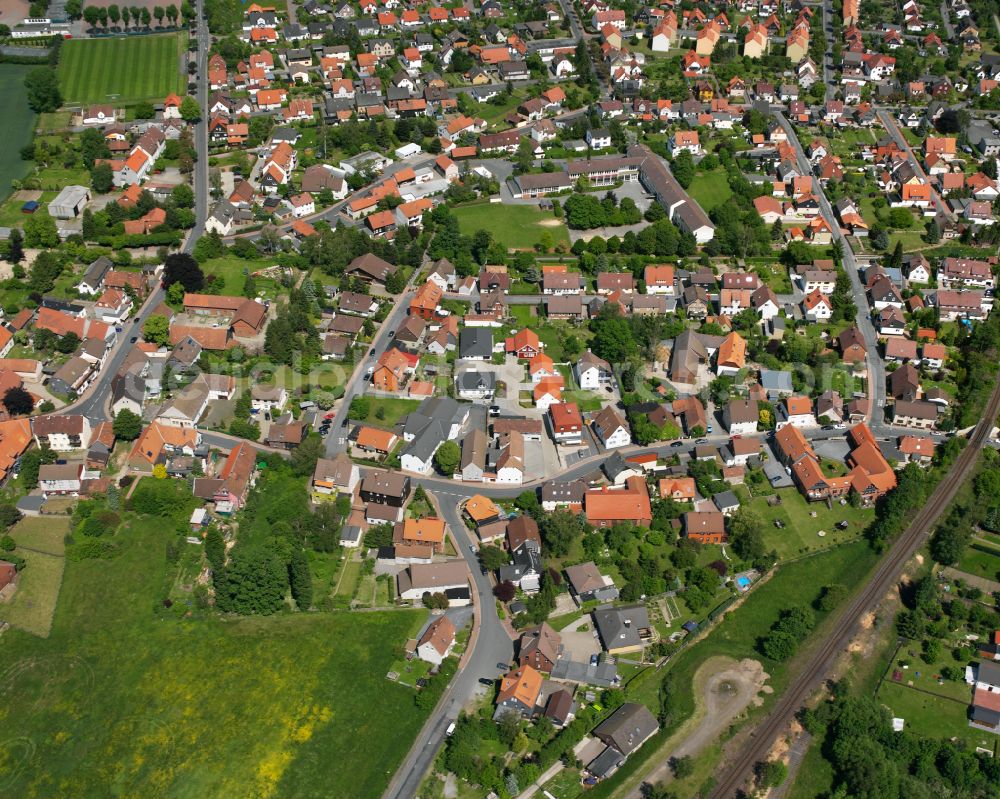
(16, 125)
(124, 70)
(517, 227)
(119, 701)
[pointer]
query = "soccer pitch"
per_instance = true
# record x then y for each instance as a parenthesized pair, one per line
(122, 70)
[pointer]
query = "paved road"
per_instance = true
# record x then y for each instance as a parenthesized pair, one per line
(886, 576)
(829, 80)
(492, 646)
(93, 405)
(946, 20)
(876, 368)
(889, 123)
(358, 382)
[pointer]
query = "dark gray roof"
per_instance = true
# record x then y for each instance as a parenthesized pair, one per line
(619, 626)
(606, 763)
(96, 271)
(989, 672)
(473, 381)
(627, 727)
(602, 674)
(563, 491)
(475, 342)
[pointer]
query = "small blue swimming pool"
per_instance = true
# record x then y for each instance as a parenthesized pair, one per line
(743, 581)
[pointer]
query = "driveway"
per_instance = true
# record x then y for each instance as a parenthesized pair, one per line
(579, 646)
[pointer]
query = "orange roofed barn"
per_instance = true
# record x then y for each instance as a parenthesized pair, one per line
(607, 506)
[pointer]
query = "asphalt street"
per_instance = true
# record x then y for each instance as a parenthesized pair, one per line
(493, 647)
(94, 403)
(876, 368)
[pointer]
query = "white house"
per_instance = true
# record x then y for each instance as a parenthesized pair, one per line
(268, 399)
(798, 412)
(60, 479)
(817, 307)
(302, 205)
(592, 373)
(437, 641)
(611, 429)
(475, 385)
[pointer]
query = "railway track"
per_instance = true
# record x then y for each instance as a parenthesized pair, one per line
(886, 575)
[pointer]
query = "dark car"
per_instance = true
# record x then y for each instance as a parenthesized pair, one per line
(502, 666)
(701, 441)
(487, 680)
(133, 339)
(677, 444)
(392, 333)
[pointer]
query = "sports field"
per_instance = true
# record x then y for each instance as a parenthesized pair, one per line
(123, 70)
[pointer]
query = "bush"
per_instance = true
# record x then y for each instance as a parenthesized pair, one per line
(92, 549)
(7, 544)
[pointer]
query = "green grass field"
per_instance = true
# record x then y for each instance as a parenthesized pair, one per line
(710, 189)
(120, 701)
(16, 125)
(40, 541)
(797, 583)
(981, 560)
(517, 227)
(932, 716)
(124, 70)
(392, 411)
(799, 534)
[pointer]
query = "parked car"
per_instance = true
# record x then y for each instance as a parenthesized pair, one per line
(677, 444)
(486, 680)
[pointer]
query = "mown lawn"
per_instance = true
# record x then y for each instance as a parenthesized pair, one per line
(122, 70)
(710, 189)
(800, 532)
(232, 271)
(932, 716)
(392, 410)
(517, 227)
(981, 560)
(15, 125)
(120, 701)
(41, 543)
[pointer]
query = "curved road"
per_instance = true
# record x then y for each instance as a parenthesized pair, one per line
(493, 646)
(887, 574)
